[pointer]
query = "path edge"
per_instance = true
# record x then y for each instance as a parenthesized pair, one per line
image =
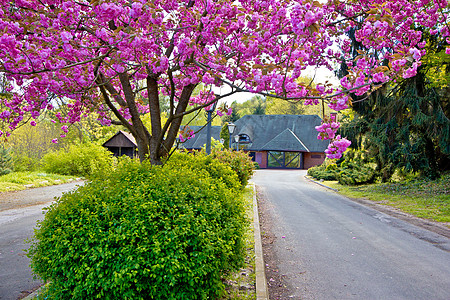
(323, 185)
(262, 292)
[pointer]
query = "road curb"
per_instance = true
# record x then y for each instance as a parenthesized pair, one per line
(34, 294)
(317, 182)
(262, 292)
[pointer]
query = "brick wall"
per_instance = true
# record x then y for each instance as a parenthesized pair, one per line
(311, 159)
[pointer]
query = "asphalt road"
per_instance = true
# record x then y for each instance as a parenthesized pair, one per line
(16, 226)
(329, 247)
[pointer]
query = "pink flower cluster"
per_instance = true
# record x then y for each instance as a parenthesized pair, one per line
(327, 130)
(202, 98)
(337, 146)
(339, 102)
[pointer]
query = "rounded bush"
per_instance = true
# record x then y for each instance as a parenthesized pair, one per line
(206, 163)
(141, 232)
(239, 162)
(323, 172)
(354, 173)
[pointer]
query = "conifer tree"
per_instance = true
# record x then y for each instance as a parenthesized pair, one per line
(6, 162)
(406, 125)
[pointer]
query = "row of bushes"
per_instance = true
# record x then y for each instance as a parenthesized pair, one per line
(77, 160)
(350, 170)
(146, 232)
(86, 159)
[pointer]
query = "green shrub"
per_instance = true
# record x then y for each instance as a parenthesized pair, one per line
(25, 163)
(238, 161)
(326, 171)
(6, 162)
(355, 173)
(206, 163)
(78, 160)
(352, 170)
(141, 232)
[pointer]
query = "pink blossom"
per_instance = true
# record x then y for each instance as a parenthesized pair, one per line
(415, 53)
(327, 130)
(380, 77)
(34, 114)
(411, 72)
(5, 115)
(337, 147)
(55, 141)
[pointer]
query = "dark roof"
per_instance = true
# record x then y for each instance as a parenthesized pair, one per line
(121, 139)
(199, 140)
(281, 132)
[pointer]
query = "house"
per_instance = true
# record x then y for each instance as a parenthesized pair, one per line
(273, 141)
(281, 141)
(122, 143)
(199, 139)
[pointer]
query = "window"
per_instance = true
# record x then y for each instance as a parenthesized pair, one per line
(279, 159)
(275, 159)
(243, 139)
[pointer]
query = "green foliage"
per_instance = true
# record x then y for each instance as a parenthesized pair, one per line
(355, 173)
(323, 171)
(238, 161)
(282, 107)
(142, 232)
(6, 163)
(354, 169)
(225, 135)
(200, 162)
(24, 163)
(30, 143)
(254, 106)
(215, 145)
(78, 160)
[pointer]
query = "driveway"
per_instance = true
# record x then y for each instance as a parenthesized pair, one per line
(19, 212)
(320, 245)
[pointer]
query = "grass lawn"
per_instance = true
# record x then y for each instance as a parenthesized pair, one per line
(422, 198)
(21, 180)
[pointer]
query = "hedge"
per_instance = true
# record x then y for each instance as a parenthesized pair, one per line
(143, 232)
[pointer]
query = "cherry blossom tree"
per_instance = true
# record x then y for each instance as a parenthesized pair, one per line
(117, 58)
